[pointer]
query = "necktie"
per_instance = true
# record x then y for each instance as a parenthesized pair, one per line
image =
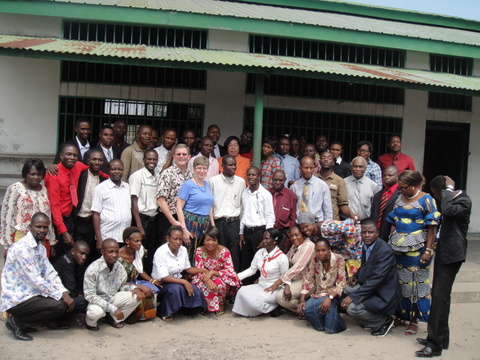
(109, 155)
(275, 199)
(304, 200)
(383, 205)
(73, 191)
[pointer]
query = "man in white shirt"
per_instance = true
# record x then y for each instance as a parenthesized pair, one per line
(143, 190)
(168, 140)
(290, 165)
(111, 206)
(227, 190)
(312, 192)
(257, 215)
(206, 150)
(360, 189)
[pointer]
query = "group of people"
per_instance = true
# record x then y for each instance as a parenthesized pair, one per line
(144, 230)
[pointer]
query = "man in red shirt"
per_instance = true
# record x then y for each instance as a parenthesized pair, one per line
(395, 156)
(62, 192)
(384, 200)
(284, 205)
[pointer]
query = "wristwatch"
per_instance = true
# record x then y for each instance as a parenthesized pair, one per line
(331, 297)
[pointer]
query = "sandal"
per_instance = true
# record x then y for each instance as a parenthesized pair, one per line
(302, 317)
(113, 323)
(398, 322)
(168, 318)
(412, 329)
(219, 313)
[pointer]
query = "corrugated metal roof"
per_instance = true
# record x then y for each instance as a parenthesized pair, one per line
(235, 61)
(298, 16)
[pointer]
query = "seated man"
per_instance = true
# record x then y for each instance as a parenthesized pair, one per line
(71, 269)
(32, 292)
(106, 290)
(374, 291)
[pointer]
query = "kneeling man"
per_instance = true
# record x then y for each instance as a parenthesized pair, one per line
(374, 291)
(106, 290)
(32, 292)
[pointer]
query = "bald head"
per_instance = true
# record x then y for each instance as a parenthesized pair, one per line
(307, 167)
(109, 243)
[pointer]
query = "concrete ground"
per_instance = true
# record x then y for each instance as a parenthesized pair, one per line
(235, 337)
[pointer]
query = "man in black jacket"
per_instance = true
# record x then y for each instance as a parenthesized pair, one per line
(374, 291)
(80, 141)
(451, 251)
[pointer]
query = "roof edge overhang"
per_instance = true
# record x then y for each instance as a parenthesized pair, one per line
(373, 11)
(230, 61)
(87, 12)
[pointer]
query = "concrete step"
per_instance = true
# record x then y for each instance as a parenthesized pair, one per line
(466, 292)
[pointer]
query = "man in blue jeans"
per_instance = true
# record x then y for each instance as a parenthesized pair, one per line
(373, 293)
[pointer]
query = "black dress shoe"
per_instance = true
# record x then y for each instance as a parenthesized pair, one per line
(92, 328)
(57, 325)
(428, 352)
(29, 329)
(423, 342)
(276, 312)
(16, 331)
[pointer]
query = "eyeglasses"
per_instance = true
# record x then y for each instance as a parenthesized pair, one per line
(402, 188)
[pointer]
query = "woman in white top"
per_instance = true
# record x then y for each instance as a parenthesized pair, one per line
(176, 293)
(256, 299)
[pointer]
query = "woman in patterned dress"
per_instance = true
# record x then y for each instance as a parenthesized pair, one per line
(23, 199)
(220, 280)
(414, 222)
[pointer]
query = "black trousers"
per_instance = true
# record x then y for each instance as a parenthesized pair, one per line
(37, 310)
(443, 278)
(163, 226)
(60, 247)
(229, 238)
(84, 232)
(252, 240)
(151, 241)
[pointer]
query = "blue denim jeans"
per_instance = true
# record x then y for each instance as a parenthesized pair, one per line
(330, 322)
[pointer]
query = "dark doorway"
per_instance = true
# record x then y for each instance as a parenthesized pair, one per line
(447, 151)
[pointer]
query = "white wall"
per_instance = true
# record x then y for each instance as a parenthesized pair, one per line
(14, 24)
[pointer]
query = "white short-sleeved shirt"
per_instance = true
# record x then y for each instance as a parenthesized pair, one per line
(166, 263)
(113, 204)
(144, 186)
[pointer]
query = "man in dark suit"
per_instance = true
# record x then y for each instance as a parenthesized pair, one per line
(373, 293)
(213, 132)
(384, 200)
(82, 214)
(80, 141)
(105, 146)
(455, 207)
(341, 167)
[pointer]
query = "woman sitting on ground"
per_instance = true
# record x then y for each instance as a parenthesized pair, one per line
(131, 257)
(177, 293)
(220, 279)
(299, 257)
(256, 299)
(326, 274)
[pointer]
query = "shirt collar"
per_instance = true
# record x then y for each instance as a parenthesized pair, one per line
(111, 184)
(87, 144)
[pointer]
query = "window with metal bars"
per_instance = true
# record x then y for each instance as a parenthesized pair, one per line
(327, 89)
(319, 50)
(75, 71)
(346, 128)
(452, 65)
(159, 115)
(134, 34)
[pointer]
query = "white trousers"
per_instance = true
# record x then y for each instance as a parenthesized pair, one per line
(123, 300)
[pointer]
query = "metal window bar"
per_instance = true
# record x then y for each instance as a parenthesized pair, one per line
(326, 51)
(105, 111)
(347, 128)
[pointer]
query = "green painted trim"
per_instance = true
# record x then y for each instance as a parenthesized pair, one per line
(257, 26)
(231, 68)
(375, 12)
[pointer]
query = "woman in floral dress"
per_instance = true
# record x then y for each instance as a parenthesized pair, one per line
(220, 280)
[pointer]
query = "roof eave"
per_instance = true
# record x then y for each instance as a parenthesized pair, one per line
(255, 26)
(233, 68)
